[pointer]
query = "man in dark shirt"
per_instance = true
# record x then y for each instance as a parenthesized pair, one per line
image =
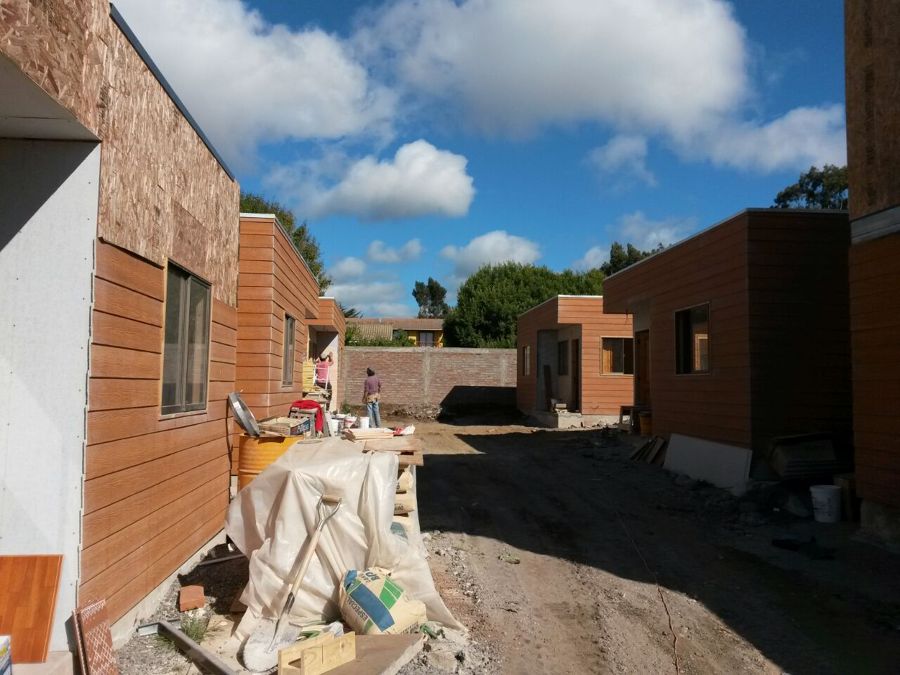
(371, 396)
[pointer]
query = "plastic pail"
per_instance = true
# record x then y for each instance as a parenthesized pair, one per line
(335, 427)
(363, 422)
(826, 500)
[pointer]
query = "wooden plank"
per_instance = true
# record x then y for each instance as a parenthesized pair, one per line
(382, 654)
(116, 331)
(109, 361)
(122, 268)
(114, 394)
(29, 586)
(317, 655)
(120, 301)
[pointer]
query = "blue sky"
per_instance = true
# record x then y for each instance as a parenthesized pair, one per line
(428, 137)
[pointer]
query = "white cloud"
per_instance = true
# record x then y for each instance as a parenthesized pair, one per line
(646, 233)
(248, 81)
(378, 251)
(374, 299)
(347, 268)
(492, 248)
(676, 69)
(622, 159)
(420, 180)
(592, 258)
(801, 138)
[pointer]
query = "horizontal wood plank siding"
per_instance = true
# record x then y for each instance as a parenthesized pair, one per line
(710, 267)
(875, 330)
(273, 281)
(601, 394)
(144, 472)
(799, 326)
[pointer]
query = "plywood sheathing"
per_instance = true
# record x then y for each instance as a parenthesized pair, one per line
(872, 38)
(163, 195)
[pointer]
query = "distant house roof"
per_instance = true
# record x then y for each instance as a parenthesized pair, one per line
(391, 324)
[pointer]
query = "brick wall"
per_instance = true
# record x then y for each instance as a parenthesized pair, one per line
(449, 377)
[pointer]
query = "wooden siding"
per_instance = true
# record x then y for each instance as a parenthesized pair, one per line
(273, 281)
(799, 325)
(875, 326)
(601, 394)
(708, 268)
(144, 471)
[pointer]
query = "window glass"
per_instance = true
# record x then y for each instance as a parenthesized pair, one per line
(617, 356)
(526, 360)
(287, 361)
(186, 351)
(692, 340)
(426, 339)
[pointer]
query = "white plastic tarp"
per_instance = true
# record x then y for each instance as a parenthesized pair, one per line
(270, 520)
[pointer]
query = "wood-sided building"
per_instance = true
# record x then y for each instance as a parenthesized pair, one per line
(118, 263)
(873, 153)
(283, 324)
(570, 352)
(741, 332)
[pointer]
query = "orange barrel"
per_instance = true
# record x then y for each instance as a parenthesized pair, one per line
(257, 453)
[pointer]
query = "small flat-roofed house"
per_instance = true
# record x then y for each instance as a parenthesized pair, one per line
(572, 354)
(419, 332)
(741, 332)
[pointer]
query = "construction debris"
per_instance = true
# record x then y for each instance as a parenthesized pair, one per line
(653, 451)
(191, 597)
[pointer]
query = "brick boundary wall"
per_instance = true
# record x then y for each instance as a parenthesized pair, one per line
(452, 378)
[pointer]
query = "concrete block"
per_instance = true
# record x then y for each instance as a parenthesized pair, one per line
(725, 466)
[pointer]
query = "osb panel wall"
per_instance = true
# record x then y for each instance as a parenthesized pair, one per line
(161, 190)
(872, 37)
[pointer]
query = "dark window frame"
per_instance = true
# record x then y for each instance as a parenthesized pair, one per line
(526, 360)
(288, 349)
(627, 356)
(174, 395)
(688, 353)
(562, 361)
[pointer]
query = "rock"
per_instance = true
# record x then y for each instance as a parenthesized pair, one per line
(441, 656)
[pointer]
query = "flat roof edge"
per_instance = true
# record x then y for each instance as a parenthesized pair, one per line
(272, 216)
(754, 209)
(556, 297)
(119, 20)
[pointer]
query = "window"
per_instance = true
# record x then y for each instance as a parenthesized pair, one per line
(526, 360)
(563, 365)
(617, 356)
(287, 359)
(426, 338)
(186, 355)
(692, 340)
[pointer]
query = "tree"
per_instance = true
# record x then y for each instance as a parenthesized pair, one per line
(490, 301)
(621, 257)
(430, 298)
(301, 237)
(350, 312)
(825, 188)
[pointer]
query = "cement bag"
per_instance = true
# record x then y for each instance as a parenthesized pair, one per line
(271, 519)
(406, 481)
(373, 604)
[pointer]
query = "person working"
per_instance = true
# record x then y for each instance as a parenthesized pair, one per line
(371, 396)
(323, 370)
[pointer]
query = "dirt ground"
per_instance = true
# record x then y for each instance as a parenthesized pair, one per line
(561, 555)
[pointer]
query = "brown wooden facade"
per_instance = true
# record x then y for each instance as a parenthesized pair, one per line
(774, 283)
(275, 283)
(579, 321)
(873, 153)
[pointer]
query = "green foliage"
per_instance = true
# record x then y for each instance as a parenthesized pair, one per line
(430, 297)
(301, 237)
(621, 257)
(490, 301)
(825, 188)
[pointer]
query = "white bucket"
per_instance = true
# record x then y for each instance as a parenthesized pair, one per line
(826, 500)
(335, 427)
(363, 422)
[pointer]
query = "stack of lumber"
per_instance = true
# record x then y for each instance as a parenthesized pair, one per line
(367, 434)
(651, 452)
(408, 448)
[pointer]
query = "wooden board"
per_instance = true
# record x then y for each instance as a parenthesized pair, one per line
(28, 587)
(95, 649)
(396, 444)
(317, 655)
(368, 434)
(382, 654)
